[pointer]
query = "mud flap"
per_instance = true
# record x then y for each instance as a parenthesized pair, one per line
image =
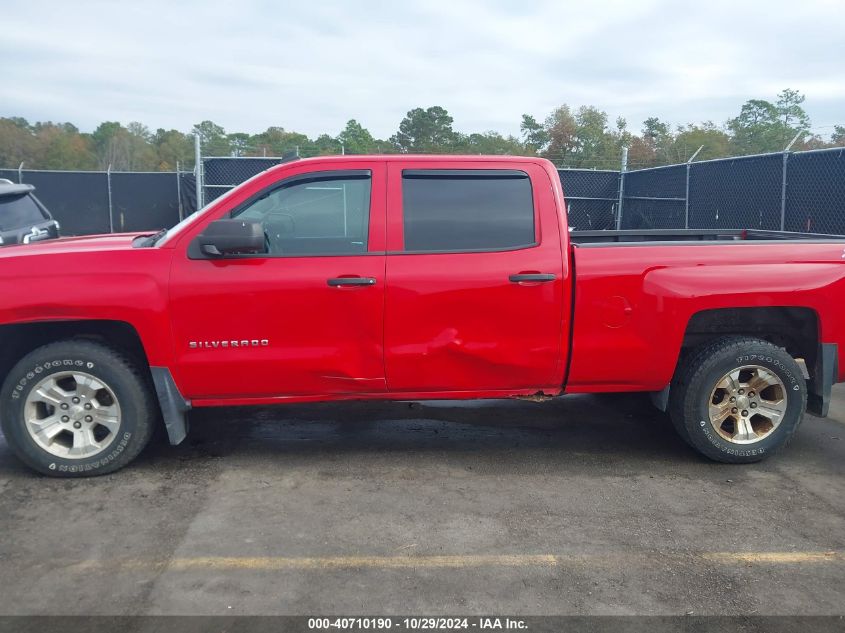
(825, 372)
(660, 399)
(173, 405)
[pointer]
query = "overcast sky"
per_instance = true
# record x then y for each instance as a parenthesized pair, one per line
(311, 66)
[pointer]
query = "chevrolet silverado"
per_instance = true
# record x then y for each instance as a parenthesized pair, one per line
(409, 278)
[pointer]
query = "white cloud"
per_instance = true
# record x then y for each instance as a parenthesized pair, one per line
(310, 67)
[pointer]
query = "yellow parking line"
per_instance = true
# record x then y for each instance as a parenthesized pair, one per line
(775, 557)
(272, 563)
(379, 562)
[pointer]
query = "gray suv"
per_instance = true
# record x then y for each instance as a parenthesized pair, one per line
(23, 219)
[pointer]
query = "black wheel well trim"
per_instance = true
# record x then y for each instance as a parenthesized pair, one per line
(173, 404)
(795, 328)
(20, 338)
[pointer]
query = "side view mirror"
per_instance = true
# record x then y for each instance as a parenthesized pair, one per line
(231, 237)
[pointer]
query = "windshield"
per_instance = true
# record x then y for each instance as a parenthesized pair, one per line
(177, 228)
(17, 212)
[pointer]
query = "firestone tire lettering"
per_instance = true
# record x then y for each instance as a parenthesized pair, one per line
(696, 378)
(138, 406)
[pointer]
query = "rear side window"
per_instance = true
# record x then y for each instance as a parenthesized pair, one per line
(467, 210)
(17, 212)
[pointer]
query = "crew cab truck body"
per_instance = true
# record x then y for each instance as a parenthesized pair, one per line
(409, 278)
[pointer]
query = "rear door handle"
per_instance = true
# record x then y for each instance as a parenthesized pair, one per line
(351, 281)
(535, 277)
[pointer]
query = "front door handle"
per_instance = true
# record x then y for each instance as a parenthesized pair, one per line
(351, 281)
(531, 277)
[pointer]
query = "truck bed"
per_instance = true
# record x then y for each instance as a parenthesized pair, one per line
(598, 238)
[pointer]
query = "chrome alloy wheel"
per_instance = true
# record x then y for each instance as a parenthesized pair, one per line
(747, 404)
(72, 414)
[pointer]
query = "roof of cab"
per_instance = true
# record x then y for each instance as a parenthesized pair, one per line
(426, 157)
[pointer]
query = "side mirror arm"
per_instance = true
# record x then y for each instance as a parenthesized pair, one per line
(211, 250)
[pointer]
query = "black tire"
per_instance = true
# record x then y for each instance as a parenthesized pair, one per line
(694, 384)
(131, 388)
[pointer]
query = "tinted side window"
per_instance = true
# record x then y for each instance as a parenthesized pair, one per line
(18, 212)
(320, 215)
(465, 210)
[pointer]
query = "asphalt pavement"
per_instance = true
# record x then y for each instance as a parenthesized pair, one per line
(582, 505)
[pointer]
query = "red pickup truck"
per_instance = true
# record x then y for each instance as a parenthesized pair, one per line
(409, 278)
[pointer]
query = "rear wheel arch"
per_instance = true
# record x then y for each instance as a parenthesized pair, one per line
(796, 329)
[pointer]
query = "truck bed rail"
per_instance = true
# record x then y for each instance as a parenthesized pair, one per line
(694, 235)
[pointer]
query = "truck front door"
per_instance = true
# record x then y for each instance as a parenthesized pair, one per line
(303, 319)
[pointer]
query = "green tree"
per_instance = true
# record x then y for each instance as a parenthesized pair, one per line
(239, 143)
(61, 146)
(323, 145)
(172, 148)
(657, 136)
(562, 131)
(276, 141)
(356, 139)
(426, 131)
(213, 139)
(758, 128)
(111, 145)
(620, 136)
(142, 155)
(491, 143)
(17, 142)
(582, 138)
(534, 135)
(595, 146)
(792, 116)
(640, 154)
(714, 141)
(837, 139)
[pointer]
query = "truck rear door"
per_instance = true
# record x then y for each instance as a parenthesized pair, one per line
(475, 278)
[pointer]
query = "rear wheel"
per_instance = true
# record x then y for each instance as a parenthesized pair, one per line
(738, 399)
(76, 408)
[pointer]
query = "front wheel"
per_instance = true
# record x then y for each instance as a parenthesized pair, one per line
(76, 408)
(738, 400)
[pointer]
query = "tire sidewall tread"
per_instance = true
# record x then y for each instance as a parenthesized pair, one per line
(696, 379)
(127, 380)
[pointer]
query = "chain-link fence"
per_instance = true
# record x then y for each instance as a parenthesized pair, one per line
(800, 191)
(654, 198)
(792, 191)
(592, 198)
(90, 202)
(815, 192)
(219, 174)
